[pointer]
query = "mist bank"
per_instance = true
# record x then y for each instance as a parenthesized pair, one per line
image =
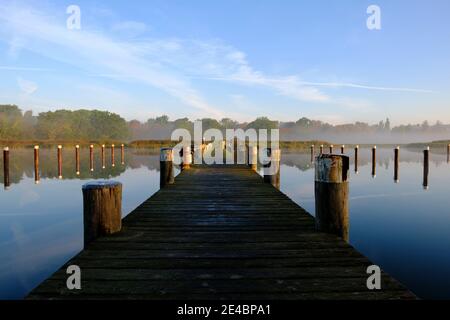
(96, 125)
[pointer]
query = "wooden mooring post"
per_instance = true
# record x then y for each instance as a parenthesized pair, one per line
(342, 149)
(102, 209)
(60, 174)
(253, 157)
(312, 152)
(396, 164)
(331, 149)
(356, 159)
(272, 168)
(321, 149)
(331, 194)
(122, 154)
(374, 162)
(426, 167)
(186, 159)
(36, 165)
(103, 157)
(77, 160)
(448, 153)
(6, 181)
(166, 175)
(91, 157)
(113, 156)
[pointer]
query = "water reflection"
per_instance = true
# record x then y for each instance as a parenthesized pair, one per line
(397, 225)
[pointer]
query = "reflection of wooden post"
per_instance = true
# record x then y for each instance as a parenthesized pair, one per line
(102, 209)
(77, 159)
(331, 149)
(253, 157)
(426, 167)
(91, 157)
(6, 167)
(374, 161)
(60, 162)
(272, 168)
(122, 154)
(396, 164)
(312, 153)
(342, 149)
(356, 159)
(331, 193)
(103, 157)
(321, 149)
(36, 165)
(166, 167)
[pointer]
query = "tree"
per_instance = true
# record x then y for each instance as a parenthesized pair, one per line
(263, 123)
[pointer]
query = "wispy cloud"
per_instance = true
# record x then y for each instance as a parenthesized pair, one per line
(87, 50)
(26, 86)
(362, 86)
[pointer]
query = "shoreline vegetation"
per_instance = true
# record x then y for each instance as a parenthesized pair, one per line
(95, 126)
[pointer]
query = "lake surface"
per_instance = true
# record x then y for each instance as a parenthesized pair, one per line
(402, 227)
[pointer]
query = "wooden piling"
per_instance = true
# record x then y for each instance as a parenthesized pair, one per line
(102, 209)
(253, 157)
(166, 175)
(6, 181)
(36, 165)
(312, 152)
(91, 157)
(122, 154)
(113, 156)
(342, 149)
(321, 149)
(396, 164)
(186, 158)
(356, 159)
(448, 153)
(331, 194)
(103, 157)
(77, 160)
(272, 168)
(374, 161)
(60, 175)
(426, 167)
(331, 149)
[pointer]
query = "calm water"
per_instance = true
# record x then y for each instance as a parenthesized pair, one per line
(399, 226)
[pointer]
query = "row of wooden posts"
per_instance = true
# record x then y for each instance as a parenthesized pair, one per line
(426, 161)
(6, 157)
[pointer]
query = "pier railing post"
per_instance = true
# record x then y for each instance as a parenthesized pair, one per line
(272, 168)
(331, 194)
(102, 209)
(166, 167)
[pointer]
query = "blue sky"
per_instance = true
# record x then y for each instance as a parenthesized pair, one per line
(241, 59)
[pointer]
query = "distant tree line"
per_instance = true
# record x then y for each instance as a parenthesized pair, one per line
(103, 125)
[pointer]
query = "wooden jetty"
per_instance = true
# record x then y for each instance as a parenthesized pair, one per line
(219, 232)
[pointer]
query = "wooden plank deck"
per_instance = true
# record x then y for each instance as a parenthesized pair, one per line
(219, 233)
